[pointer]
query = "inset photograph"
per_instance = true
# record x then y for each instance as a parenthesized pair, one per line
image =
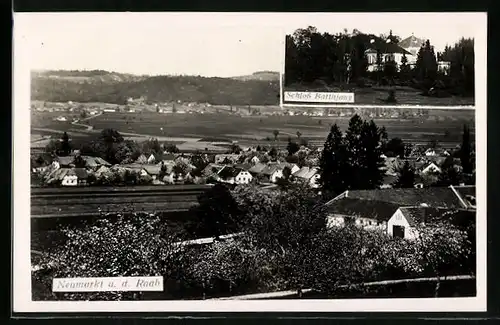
(371, 61)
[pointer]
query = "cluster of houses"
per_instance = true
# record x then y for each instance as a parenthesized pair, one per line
(401, 212)
(427, 167)
(236, 169)
(180, 168)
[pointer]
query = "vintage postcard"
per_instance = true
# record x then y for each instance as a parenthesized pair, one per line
(389, 59)
(186, 162)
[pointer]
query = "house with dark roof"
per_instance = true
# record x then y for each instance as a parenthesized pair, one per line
(150, 170)
(388, 51)
(309, 175)
(364, 213)
(257, 169)
(68, 176)
(438, 197)
(234, 175)
(65, 161)
(94, 162)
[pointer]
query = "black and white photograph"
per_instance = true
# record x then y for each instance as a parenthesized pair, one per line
(164, 167)
(412, 59)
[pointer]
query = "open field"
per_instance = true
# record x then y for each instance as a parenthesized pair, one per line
(377, 95)
(47, 202)
(200, 131)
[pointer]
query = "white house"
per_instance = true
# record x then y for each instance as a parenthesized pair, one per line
(151, 159)
(69, 180)
(254, 160)
(388, 52)
(276, 174)
(402, 223)
(233, 175)
(430, 152)
(430, 168)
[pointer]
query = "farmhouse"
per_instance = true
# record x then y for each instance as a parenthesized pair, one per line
(275, 171)
(68, 176)
(452, 197)
(309, 175)
(149, 170)
(94, 162)
(234, 175)
(368, 214)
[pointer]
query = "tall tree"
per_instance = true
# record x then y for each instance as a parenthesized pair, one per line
(466, 152)
(404, 69)
(426, 66)
(450, 174)
(380, 65)
(395, 148)
(354, 152)
(65, 145)
(364, 146)
(217, 212)
(292, 147)
(371, 155)
(461, 58)
(276, 133)
(406, 176)
(333, 162)
(390, 70)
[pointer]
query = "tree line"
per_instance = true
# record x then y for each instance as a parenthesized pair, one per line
(340, 59)
(216, 91)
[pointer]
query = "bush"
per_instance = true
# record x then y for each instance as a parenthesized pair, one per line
(137, 245)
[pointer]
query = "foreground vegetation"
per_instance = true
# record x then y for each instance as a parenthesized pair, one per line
(285, 245)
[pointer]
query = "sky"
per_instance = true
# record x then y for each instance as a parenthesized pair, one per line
(208, 44)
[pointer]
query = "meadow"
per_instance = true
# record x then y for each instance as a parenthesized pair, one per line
(199, 131)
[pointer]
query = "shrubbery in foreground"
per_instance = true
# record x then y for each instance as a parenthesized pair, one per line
(285, 245)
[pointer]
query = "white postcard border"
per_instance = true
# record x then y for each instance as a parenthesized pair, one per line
(21, 214)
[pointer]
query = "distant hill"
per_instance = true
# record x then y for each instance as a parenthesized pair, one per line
(111, 87)
(261, 75)
(93, 76)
